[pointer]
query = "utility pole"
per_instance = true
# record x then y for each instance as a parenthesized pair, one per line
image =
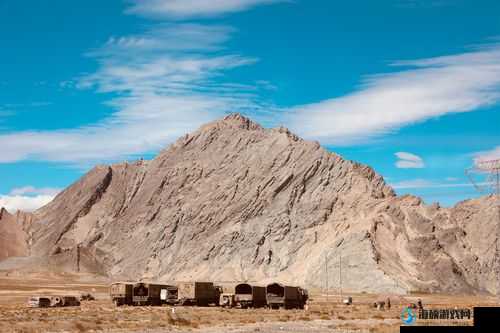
(340, 275)
(326, 275)
(490, 168)
(78, 258)
(242, 236)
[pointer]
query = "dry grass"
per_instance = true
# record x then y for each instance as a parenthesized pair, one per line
(102, 315)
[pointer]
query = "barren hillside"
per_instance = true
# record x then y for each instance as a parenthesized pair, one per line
(13, 237)
(235, 201)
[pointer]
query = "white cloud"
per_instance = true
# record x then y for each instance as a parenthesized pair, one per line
(425, 89)
(412, 4)
(164, 92)
(493, 154)
(181, 9)
(24, 203)
(413, 183)
(424, 183)
(409, 161)
(166, 37)
(27, 198)
(166, 83)
(31, 190)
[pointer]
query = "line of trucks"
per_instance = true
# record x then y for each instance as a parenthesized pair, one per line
(244, 295)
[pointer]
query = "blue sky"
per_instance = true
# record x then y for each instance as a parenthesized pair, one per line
(409, 87)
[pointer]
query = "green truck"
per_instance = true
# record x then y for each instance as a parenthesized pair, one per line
(280, 296)
(248, 296)
(142, 293)
(199, 293)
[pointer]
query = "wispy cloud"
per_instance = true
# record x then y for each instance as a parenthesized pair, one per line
(31, 190)
(166, 81)
(166, 37)
(181, 9)
(422, 3)
(424, 89)
(409, 161)
(164, 89)
(10, 109)
(24, 203)
(27, 198)
(420, 183)
(493, 154)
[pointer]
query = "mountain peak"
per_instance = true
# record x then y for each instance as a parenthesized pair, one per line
(240, 121)
(234, 201)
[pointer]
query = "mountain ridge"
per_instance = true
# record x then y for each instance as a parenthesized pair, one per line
(236, 201)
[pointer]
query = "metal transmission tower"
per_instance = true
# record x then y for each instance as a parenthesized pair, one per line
(490, 171)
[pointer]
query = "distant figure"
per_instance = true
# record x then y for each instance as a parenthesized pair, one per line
(388, 302)
(419, 304)
(380, 305)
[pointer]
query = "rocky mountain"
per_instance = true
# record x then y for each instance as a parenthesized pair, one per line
(234, 201)
(13, 238)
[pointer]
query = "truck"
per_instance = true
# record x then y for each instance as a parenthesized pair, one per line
(151, 293)
(121, 293)
(199, 293)
(39, 302)
(53, 301)
(126, 293)
(227, 300)
(248, 296)
(285, 297)
(169, 294)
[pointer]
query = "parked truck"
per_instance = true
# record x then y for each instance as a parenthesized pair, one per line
(248, 296)
(70, 301)
(53, 301)
(286, 297)
(169, 294)
(150, 293)
(39, 302)
(121, 293)
(227, 300)
(199, 293)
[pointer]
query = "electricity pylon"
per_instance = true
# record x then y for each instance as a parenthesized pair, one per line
(490, 169)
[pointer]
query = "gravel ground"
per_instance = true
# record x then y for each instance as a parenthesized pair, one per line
(322, 314)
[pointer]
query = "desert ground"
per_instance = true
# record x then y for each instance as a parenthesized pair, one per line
(323, 314)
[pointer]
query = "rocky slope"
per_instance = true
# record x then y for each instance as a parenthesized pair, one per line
(235, 201)
(14, 239)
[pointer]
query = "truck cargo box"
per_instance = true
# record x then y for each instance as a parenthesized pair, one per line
(147, 293)
(247, 295)
(282, 296)
(121, 293)
(169, 294)
(198, 293)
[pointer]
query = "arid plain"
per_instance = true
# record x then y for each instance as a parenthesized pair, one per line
(322, 314)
